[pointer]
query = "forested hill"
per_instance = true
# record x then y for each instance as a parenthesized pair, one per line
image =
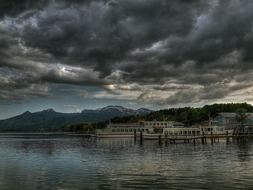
(50, 120)
(188, 115)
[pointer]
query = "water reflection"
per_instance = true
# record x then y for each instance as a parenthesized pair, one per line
(36, 162)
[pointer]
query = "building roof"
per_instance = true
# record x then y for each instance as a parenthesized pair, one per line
(233, 114)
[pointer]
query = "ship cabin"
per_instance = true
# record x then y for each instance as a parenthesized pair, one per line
(158, 126)
(128, 127)
(209, 127)
(182, 131)
(123, 130)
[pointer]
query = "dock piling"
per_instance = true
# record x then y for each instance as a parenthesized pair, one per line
(141, 137)
(203, 138)
(166, 139)
(160, 140)
(135, 136)
(227, 137)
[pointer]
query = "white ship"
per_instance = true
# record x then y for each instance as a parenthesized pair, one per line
(154, 129)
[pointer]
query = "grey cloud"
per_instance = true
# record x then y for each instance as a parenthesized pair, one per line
(16, 87)
(213, 92)
(191, 49)
(101, 35)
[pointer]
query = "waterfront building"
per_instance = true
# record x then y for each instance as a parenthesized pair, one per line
(229, 120)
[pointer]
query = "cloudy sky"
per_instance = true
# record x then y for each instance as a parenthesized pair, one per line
(76, 54)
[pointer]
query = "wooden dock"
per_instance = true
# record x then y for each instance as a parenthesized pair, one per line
(203, 138)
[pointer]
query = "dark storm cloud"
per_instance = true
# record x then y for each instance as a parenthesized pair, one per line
(100, 35)
(184, 51)
(15, 7)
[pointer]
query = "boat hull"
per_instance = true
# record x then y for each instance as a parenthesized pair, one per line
(114, 135)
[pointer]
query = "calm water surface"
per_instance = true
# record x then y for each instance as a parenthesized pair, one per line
(69, 163)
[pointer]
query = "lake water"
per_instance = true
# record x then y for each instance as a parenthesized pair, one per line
(69, 163)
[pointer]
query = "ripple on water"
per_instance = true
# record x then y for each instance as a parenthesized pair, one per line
(78, 163)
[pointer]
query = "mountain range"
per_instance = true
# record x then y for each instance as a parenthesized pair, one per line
(50, 120)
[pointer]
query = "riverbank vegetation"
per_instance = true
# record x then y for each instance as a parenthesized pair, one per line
(84, 127)
(187, 115)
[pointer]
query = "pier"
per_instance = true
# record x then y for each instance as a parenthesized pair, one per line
(203, 138)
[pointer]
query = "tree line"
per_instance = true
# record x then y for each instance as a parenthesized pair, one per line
(186, 115)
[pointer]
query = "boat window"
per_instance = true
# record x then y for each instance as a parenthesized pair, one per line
(130, 130)
(113, 130)
(122, 130)
(142, 129)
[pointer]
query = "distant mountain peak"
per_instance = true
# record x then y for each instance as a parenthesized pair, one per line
(144, 109)
(26, 113)
(111, 107)
(50, 110)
